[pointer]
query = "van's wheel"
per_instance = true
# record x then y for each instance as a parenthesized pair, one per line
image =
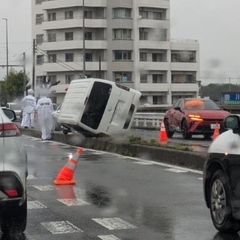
(14, 218)
(220, 206)
(65, 131)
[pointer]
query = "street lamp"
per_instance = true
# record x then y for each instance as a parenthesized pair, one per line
(6, 43)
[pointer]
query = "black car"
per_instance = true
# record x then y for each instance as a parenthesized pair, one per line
(221, 177)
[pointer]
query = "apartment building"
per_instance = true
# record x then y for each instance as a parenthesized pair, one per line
(125, 41)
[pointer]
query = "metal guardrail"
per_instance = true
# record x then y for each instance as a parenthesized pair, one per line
(148, 120)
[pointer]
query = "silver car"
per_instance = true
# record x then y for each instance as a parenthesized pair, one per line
(13, 175)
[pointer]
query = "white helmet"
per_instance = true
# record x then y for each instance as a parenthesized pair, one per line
(30, 92)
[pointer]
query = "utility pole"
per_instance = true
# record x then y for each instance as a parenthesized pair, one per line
(24, 75)
(33, 66)
(6, 43)
(84, 67)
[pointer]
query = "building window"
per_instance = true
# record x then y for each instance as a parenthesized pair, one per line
(68, 36)
(69, 57)
(52, 58)
(143, 78)
(40, 59)
(52, 79)
(88, 35)
(157, 78)
(38, 1)
(39, 80)
(88, 14)
(88, 57)
(51, 16)
(69, 78)
(122, 55)
(39, 39)
(39, 18)
(68, 14)
(52, 37)
(157, 100)
(143, 56)
(157, 15)
(122, 33)
(143, 34)
(143, 14)
(121, 13)
(157, 57)
(123, 76)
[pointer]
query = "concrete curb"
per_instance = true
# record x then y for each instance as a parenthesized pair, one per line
(192, 160)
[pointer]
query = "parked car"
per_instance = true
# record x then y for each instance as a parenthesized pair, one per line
(194, 116)
(221, 178)
(16, 107)
(13, 174)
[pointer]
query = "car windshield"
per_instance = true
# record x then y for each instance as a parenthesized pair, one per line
(199, 104)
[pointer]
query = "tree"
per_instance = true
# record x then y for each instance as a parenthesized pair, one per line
(12, 86)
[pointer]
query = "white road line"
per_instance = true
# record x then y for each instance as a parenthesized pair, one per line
(114, 223)
(45, 188)
(175, 170)
(35, 205)
(73, 202)
(61, 227)
(108, 237)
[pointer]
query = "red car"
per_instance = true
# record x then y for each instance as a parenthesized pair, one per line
(194, 116)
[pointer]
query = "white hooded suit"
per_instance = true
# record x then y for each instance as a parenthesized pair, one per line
(44, 110)
(28, 107)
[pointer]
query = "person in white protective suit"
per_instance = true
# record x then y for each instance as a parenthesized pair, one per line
(44, 110)
(28, 110)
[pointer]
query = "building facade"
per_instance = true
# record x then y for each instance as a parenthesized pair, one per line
(125, 41)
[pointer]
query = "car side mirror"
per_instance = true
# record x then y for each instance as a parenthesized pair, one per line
(10, 114)
(232, 122)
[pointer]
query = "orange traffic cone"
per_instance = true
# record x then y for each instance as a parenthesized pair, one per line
(216, 131)
(65, 176)
(163, 138)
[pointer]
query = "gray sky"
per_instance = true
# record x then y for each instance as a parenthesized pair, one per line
(213, 23)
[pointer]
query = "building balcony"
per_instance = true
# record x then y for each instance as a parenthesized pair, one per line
(75, 44)
(148, 44)
(184, 66)
(154, 87)
(57, 4)
(73, 66)
(150, 23)
(74, 23)
(154, 66)
(184, 87)
(154, 3)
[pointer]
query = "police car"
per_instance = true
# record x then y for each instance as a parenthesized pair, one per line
(221, 177)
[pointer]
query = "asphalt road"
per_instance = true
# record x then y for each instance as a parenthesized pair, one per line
(115, 198)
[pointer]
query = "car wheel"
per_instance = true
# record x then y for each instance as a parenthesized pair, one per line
(220, 206)
(167, 127)
(14, 218)
(185, 133)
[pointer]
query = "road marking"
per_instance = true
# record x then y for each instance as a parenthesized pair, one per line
(60, 227)
(145, 163)
(45, 188)
(200, 179)
(108, 237)
(114, 223)
(35, 205)
(73, 202)
(175, 170)
(30, 176)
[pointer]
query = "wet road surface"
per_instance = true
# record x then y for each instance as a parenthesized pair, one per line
(115, 198)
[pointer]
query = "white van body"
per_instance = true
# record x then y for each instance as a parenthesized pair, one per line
(98, 106)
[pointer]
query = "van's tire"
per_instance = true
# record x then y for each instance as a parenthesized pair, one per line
(14, 218)
(220, 204)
